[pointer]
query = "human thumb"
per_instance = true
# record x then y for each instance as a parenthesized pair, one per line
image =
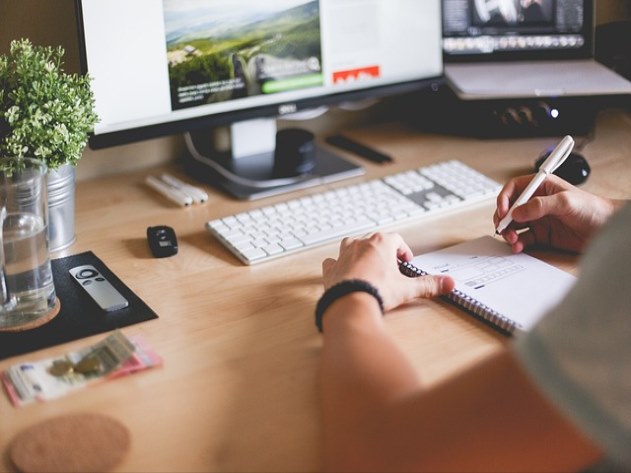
(432, 286)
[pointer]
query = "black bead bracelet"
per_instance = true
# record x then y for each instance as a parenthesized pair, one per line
(342, 289)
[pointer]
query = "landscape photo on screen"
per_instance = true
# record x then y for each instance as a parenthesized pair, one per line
(219, 50)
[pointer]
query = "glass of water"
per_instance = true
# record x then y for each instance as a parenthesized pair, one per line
(27, 290)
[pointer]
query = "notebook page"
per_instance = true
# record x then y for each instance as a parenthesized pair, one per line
(518, 286)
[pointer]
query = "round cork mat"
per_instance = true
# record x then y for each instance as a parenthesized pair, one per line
(36, 322)
(71, 443)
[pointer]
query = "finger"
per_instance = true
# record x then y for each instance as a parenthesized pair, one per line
(513, 225)
(346, 242)
(511, 236)
(404, 252)
(496, 218)
(550, 199)
(432, 286)
(525, 240)
(516, 227)
(510, 192)
(394, 242)
(536, 208)
(510, 189)
(327, 265)
(518, 247)
(554, 184)
(503, 198)
(378, 237)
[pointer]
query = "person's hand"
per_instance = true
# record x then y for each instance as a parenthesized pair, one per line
(375, 260)
(559, 214)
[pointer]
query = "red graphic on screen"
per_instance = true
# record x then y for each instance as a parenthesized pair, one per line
(352, 75)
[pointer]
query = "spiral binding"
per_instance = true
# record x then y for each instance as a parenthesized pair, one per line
(468, 303)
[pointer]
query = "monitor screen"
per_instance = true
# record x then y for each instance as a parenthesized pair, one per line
(516, 29)
(162, 67)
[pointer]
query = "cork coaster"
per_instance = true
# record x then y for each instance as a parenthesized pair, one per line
(36, 322)
(71, 443)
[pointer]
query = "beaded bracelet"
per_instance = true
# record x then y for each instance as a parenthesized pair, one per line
(342, 289)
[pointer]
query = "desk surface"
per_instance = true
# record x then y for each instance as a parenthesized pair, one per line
(237, 391)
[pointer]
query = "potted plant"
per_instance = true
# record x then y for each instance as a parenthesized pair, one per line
(47, 114)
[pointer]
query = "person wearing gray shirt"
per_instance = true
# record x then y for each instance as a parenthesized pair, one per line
(557, 398)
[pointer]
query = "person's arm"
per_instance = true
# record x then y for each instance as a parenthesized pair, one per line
(559, 215)
(378, 417)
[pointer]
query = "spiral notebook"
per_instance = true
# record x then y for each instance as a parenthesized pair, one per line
(512, 292)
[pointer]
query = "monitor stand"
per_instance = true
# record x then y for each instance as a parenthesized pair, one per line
(249, 175)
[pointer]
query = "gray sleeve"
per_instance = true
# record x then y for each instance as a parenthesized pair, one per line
(580, 353)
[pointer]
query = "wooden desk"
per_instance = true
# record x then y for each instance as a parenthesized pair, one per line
(237, 391)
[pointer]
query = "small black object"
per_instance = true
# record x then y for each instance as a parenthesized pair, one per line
(574, 169)
(357, 148)
(162, 241)
(295, 152)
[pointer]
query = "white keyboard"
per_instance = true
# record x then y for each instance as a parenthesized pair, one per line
(299, 224)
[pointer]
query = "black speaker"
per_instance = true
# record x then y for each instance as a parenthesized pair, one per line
(440, 110)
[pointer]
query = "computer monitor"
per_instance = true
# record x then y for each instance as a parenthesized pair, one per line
(163, 67)
(516, 29)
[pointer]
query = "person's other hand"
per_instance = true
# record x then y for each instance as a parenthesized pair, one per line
(375, 259)
(559, 214)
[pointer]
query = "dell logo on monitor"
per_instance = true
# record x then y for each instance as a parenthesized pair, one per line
(287, 108)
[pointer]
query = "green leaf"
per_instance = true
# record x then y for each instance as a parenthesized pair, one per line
(44, 111)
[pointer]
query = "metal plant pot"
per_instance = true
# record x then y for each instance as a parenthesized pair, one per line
(61, 207)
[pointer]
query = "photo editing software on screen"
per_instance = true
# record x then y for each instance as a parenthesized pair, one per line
(484, 27)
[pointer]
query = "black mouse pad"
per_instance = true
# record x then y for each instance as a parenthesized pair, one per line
(79, 315)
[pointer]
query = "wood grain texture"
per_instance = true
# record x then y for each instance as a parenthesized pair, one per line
(237, 391)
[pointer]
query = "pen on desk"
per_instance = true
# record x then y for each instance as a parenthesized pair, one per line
(359, 149)
(174, 195)
(556, 158)
(198, 195)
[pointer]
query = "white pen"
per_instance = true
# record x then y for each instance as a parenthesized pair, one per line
(198, 195)
(169, 192)
(556, 158)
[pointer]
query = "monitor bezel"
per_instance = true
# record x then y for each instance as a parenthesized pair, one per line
(278, 110)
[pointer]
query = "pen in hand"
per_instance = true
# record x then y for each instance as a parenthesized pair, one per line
(556, 158)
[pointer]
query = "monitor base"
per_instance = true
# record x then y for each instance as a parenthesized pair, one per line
(251, 177)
